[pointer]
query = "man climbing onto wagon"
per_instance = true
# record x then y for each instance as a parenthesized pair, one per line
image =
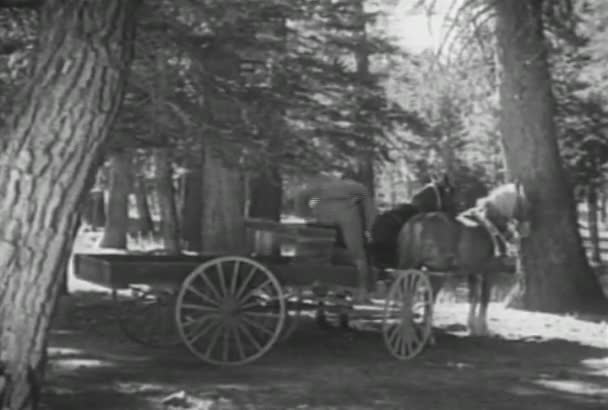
(346, 204)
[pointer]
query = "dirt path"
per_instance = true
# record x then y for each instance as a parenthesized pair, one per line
(534, 362)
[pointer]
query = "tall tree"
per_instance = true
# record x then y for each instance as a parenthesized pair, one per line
(223, 192)
(117, 220)
(191, 209)
(558, 277)
(49, 151)
(169, 224)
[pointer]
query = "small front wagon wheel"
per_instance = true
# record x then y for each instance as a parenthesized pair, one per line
(230, 311)
(408, 314)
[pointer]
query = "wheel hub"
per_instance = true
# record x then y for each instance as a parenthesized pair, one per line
(229, 307)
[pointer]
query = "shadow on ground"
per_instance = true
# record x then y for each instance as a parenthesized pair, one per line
(94, 367)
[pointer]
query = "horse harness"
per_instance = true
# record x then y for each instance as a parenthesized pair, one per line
(477, 217)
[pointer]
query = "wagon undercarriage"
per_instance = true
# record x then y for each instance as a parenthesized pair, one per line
(231, 310)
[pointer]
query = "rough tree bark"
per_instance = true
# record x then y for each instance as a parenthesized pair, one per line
(169, 225)
(117, 212)
(48, 155)
(94, 212)
(592, 224)
(191, 210)
(558, 277)
(145, 223)
(365, 164)
(603, 199)
(223, 229)
(223, 222)
(266, 195)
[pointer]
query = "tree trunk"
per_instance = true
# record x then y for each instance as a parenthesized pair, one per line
(603, 210)
(146, 225)
(365, 164)
(48, 156)
(169, 224)
(594, 235)
(192, 208)
(266, 195)
(558, 277)
(117, 221)
(223, 227)
(94, 212)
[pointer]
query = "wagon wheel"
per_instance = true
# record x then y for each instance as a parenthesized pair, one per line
(230, 311)
(147, 316)
(408, 314)
(293, 313)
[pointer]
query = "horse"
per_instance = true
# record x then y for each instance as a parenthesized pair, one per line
(464, 245)
(438, 195)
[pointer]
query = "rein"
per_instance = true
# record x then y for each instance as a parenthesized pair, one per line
(437, 195)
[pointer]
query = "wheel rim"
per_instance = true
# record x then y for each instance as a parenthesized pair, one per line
(147, 317)
(230, 311)
(408, 313)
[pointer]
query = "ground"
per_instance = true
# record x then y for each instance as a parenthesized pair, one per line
(532, 361)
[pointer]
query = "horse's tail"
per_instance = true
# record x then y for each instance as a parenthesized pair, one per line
(427, 240)
(409, 242)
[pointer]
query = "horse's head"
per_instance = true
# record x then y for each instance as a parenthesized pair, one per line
(436, 196)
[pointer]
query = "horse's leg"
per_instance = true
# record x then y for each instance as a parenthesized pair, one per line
(436, 284)
(482, 319)
(353, 232)
(473, 298)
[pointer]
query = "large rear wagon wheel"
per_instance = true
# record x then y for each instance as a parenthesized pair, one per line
(230, 311)
(145, 316)
(408, 314)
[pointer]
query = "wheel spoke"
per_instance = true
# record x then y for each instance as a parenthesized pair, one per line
(393, 332)
(210, 285)
(202, 330)
(236, 313)
(226, 346)
(239, 344)
(243, 285)
(201, 295)
(251, 292)
(396, 340)
(198, 321)
(255, 324)
(213, 339)
(256, 304)
(220, 271)
(201, 308)
(235, 275)
(250, 336)
(406, 329)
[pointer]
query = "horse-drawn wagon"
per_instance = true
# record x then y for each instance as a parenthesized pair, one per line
(232, 309)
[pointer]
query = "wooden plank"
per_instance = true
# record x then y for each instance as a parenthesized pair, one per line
(118, 271)
(303, 274)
